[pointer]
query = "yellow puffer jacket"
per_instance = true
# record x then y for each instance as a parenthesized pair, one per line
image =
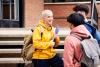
(42, 43)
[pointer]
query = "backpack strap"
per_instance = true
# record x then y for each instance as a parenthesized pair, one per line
(41, 29)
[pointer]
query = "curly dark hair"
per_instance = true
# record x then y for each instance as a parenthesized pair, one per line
(75, 19)
(81, 7)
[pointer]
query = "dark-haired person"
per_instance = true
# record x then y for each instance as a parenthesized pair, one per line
(92, 27)
(72, 49)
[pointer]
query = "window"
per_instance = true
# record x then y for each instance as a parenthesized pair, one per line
(9, 9)
(47, 1)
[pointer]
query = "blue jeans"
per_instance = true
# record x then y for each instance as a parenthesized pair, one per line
(53, 62)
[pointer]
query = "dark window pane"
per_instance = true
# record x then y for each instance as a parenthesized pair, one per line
(70, 0)
(82, 0)
(6, 13)
(12, 11)
(58, 0)
(5, 1)
(12, 1)
(47, 1)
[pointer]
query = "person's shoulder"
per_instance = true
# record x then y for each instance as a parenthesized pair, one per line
(70, 38)
(89, 25)
(37, 27)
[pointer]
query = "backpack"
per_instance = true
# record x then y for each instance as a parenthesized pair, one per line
(28, 49)
(91, 53)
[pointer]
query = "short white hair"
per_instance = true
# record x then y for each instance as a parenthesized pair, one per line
(46, 13)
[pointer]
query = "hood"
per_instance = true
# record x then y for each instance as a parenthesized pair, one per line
(80, 31)
(43, 24)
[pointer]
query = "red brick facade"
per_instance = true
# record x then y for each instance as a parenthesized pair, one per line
(63, 10)
(33, 8)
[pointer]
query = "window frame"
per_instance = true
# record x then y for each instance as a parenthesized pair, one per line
(55, 1)
(15, 11)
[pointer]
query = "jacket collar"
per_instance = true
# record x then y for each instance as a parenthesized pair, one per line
(43, 24)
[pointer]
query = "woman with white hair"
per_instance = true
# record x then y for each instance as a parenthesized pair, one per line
(44, 39)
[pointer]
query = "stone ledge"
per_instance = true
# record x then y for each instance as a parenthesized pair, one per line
(19, 43)
(17, 32)
(19, 51)
(11, 42)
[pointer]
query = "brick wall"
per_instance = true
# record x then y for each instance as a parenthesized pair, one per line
(32, 10)
(61, 10)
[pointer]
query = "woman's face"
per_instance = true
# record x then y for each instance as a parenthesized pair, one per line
(49, 19)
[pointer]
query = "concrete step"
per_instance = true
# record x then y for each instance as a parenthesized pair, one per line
(19, 42)
(11, 42)
(12, 60)
(3, 51)
(14, 32)
(19, 59)
(63, 32)
(21, 32)
(15, 36)
(18, 51)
